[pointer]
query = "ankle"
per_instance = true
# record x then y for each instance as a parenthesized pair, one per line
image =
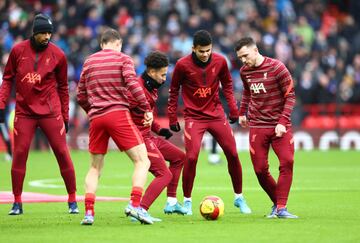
(72, 197)
(187, 199)
(90, 212)
(172, 201)
(17, 199)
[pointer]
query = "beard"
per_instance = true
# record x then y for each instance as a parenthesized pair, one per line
(38, 46)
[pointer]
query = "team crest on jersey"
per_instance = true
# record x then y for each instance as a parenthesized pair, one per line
(202, 92)
(257, 87)
(191, 124)
(265, 75)
(47, 61)
(32, 78)
(152, 146)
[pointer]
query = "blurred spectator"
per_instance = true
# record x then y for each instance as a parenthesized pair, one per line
(318, 40)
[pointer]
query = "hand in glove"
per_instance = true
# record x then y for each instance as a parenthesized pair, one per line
(66, 126)
(175, 127)
(233, 120)
(2, 115)
(165, 133)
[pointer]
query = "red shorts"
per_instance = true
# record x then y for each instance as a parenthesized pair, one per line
(119, 126)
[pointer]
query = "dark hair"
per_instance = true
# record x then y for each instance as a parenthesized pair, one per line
(109, 35)
(246, 41)
(156, 60)
(202, 38)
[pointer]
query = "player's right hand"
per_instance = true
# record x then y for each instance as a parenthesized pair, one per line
(2, 115)
(280, 130)
(148, 118)
(66, 124)
(175, 127)
(165, 133)
(243, 121)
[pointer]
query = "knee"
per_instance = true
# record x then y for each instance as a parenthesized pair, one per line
(142, 161)
(286, 164)
(145, 163)
(20, 151)
(96, 167)
(62, 151)
(261, 170)
(231, 154)
(165, 174)
(192, 158)
(168, 176)
(181, 159)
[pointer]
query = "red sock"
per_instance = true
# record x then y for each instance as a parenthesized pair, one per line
(135, 197)
(72, 197)
(89, 203)
(18, 199)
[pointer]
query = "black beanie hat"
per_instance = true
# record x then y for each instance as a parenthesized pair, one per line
(42, 23)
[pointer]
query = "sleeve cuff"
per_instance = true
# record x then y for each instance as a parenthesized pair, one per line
(283, 121)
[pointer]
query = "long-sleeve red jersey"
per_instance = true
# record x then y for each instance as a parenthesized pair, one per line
(137, 113)
(106, 78)
(40, 79)
(200, 89)
(268, 97)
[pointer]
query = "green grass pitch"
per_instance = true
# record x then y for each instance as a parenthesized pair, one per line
(325, 195)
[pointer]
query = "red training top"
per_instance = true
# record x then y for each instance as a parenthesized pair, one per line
(137, 114)
(200, 89)
(268, 95)
(106, 78)
(40, 79)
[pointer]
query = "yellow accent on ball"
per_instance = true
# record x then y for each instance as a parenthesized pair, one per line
(212, 207)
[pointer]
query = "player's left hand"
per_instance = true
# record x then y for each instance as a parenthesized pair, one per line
(280, 130)
(175, 127)
(165, 133)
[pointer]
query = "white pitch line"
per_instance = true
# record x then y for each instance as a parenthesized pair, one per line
(58, 183)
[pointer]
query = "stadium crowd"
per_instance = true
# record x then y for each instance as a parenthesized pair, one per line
(319, 41)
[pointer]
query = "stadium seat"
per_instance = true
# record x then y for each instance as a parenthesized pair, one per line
(322, 122)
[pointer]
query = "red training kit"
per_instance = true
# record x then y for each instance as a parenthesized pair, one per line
(106, 78)
(159, 150)
(204, 112)
(200, 89)
(269, 98)
(42, 100)
(268, 95)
